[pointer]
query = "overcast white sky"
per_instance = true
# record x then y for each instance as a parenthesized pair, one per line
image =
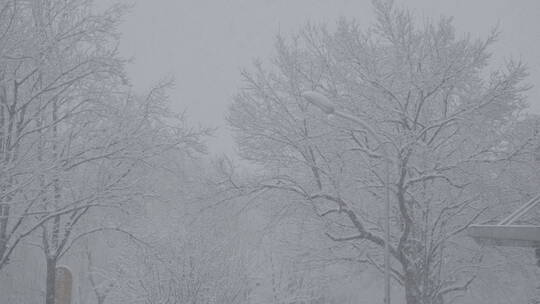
(204, 43)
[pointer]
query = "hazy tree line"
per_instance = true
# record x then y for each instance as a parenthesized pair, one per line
(117, 186)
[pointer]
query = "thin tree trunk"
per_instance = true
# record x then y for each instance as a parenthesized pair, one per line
(51, 280)
(55, 234)
(4, 216)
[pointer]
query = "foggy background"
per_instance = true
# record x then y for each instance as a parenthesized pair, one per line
(408, 155)
(203, 44)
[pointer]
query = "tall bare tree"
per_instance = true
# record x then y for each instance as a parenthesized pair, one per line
(102, 165)
(56, 57)
(443, 124)
(71, 133)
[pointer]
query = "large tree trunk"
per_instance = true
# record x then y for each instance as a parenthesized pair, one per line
(51, 280)
(416, 292)
(412, 294)
(101, 299)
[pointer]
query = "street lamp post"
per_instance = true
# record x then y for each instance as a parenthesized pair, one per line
(325, 105)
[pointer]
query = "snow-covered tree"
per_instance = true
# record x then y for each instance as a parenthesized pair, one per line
(102, 166)
(57, 59)
(72, 136)
(443, 120)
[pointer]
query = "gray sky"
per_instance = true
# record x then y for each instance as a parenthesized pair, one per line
(204, 43)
